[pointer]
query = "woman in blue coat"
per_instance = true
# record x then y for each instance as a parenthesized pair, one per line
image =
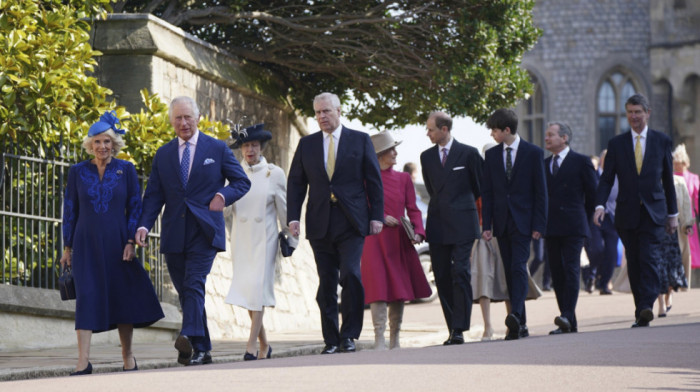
(101, 207)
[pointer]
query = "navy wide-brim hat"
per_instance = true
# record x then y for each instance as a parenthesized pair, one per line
(252, 133)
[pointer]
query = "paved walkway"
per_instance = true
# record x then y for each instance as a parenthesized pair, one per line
(423, 326)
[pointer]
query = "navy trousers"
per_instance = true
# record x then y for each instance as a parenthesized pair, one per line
(515, 251)
(188, 272)
(643, 251)
(564, 255)
(338, 257)
(452, 271)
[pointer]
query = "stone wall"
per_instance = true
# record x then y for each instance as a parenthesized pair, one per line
(581, 42)
(141, 51)
(675, 64)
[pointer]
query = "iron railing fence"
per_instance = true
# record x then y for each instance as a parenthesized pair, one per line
(31, 206)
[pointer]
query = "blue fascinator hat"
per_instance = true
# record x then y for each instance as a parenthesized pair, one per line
(107, 121)
(251, 133)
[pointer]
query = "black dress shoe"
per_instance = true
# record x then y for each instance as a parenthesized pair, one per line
(513, 324)
(563, 323)
(329, 349)
(456, 337)
(249, 357)
(200, 358)
(588, 286)
(133, 369)
(184, 348)
(645, 316)
(523, 333)
(605, 292)
(87, 370)
(347, 345)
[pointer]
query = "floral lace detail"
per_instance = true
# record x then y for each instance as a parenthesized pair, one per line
(68, 220)
(100, 192)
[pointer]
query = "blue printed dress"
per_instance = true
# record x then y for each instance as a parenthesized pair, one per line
(99, 217)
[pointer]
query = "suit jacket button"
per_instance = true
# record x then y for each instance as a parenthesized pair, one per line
(182, 216)
(258, 219)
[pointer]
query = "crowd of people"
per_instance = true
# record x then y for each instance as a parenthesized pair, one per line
(487, 212)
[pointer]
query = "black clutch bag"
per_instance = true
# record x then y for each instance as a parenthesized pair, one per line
(284, 246)
(66, 285)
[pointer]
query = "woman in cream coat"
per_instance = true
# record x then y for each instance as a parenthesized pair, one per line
(254, 237)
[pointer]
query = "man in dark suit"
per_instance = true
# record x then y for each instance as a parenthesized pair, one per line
(646, 201)
(571, 183)
(451, 172)
(514, 198)
(339, 168)
(601, 247)
(188, 178)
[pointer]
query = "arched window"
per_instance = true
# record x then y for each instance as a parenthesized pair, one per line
(531, 115)
(612, 95)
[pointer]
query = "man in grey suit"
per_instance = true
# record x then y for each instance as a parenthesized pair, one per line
(451, 172)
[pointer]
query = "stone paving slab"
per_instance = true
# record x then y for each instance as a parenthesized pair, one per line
(423, 326)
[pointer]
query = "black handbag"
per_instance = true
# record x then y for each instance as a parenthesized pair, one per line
(284, 246)
(66, 285)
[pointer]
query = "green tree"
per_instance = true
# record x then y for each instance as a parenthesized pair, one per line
(394, 61)
(47, 96)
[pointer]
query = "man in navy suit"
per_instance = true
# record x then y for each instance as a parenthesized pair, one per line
(188, 178)
(452, 174)
(602, 245)
(571, 183)
(340, 170)
(514, 208)
(646, 201)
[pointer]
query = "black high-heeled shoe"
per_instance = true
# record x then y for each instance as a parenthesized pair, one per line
(269, 352)
(249, 357)
(87, 370)
(135, 368)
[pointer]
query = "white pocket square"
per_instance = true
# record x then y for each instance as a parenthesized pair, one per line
(458, 168)
(208, 161)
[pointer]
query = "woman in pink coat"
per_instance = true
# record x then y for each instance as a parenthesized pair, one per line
(391, 270)
(691, 257)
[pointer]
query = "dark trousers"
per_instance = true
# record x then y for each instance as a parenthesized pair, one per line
(515, 251)
(564, 255)
(540, 258)
(452, 271)
(338, 257)
(188, 271)
(601, 248)
(643, 251)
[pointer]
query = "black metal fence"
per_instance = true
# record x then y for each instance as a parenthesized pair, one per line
(31, 204)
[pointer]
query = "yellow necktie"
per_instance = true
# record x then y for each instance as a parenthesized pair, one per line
(638, 154)
(330, 164)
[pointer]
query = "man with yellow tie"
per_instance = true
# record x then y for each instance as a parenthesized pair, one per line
(646, 202)
(339, 168)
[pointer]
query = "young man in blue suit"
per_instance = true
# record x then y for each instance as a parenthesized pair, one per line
(571, 183)
(339, 168)
(189, 177)
(452, 175)
(514, 208)
(646, 201)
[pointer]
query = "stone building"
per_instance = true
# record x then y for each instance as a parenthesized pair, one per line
(594, 54)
